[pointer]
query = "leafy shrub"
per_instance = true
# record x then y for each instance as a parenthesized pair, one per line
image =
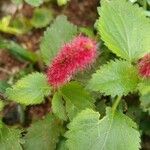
(79, 117)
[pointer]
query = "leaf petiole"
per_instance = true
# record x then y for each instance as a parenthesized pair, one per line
(116, 103)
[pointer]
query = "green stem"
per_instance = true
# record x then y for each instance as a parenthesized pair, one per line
(116, 103)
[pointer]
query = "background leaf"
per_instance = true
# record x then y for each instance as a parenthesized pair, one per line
(115, 78)
(113, 132)
(21, 23)
(6, 28)
(60, 32)
(124, 28)
(18, 51)
(41, 17)
(29, 90)
(34, 3)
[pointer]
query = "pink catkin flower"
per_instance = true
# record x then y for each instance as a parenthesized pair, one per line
(144, 66)
(73, 57)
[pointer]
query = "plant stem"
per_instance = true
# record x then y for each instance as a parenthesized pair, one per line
(116, 103)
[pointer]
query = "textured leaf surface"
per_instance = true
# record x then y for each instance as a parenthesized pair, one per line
(58, 106)
(41, 17)
(115, 78)
(34, 3)
(144, 88)
(124, 29)
(60, 32)
(113, 132)
(29, 90)
(77, 98)
(10, 139)
(43, 135)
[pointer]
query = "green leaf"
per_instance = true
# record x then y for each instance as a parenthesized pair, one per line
(77, 98)
(60, 32)
(29, 90)
(10, 139)
(21, 23)
(43, 135)
(41, 17)
(58, 107)
(3, 86)
(124, 28)
(115, 78)
(113, 132)
(18, 51)
(34, 3)
(144, 88)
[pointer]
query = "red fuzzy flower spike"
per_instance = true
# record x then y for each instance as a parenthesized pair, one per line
(144, 66)
(73, 57)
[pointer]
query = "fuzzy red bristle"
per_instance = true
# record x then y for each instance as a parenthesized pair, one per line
(144, 66)
(73, 57)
